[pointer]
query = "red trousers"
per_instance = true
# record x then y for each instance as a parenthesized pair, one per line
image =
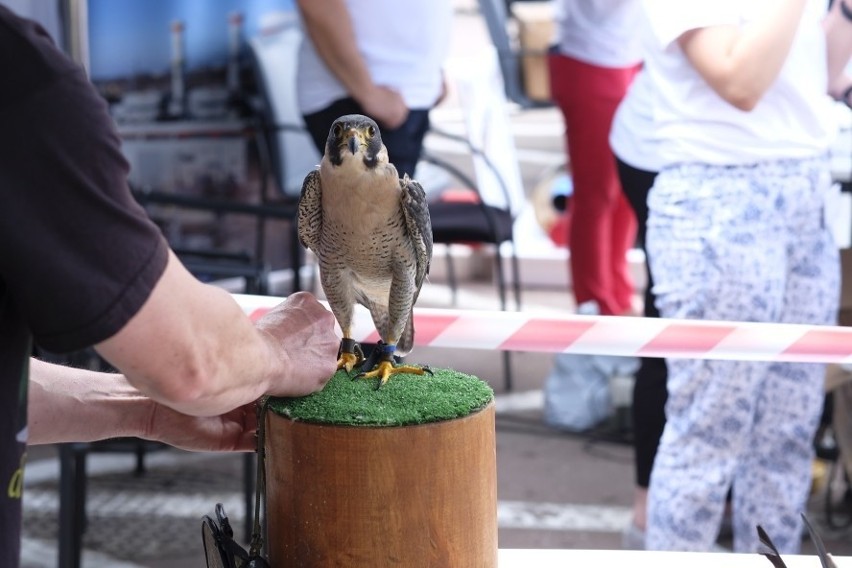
(603, 225)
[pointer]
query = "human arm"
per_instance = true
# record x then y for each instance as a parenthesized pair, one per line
(83, 263)
(330, 29)
(67, 404)
(838, 35)
(840, 88)
(191, 348)
(741, 63)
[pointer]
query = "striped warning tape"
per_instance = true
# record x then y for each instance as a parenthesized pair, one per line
(608, 335)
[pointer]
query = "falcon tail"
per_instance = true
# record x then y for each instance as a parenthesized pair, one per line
(406, 342)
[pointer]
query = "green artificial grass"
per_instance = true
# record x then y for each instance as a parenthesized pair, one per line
(404, 400)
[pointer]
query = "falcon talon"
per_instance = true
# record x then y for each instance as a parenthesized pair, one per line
(370, 362)
(358, 376)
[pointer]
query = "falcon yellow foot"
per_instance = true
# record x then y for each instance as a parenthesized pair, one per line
(385, 368)
(350, 355)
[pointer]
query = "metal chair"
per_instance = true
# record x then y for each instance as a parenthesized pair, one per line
(499, 193)
(286, 149)
(474, 222)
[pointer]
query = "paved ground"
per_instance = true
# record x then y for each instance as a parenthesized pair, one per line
(555, 490)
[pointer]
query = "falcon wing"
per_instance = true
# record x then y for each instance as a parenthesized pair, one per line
(310, 211)
(419, 225)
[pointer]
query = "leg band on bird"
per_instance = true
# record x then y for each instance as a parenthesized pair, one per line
(350, 354)
(348, 345)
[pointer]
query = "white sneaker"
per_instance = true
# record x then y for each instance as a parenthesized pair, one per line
(589, 308)
(633, 538)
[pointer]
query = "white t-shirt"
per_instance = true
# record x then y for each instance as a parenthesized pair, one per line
(599, 32)
(694, 124)
(404, 44)
(633, 138)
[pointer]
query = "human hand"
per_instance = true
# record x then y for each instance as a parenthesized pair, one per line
(384, 105)
(233, 431)
(301, 333)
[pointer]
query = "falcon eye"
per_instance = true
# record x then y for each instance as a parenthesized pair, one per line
(337, 130)
(371, 131)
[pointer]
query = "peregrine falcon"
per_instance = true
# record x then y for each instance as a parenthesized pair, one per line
(371, 233)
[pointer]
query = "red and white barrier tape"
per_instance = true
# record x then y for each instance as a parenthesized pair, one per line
(608, 335)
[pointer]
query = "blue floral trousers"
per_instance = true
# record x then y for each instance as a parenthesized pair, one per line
(744, 243)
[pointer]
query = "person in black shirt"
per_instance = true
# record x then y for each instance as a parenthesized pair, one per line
(82, 265)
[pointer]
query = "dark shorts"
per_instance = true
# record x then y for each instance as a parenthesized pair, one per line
(404, 144)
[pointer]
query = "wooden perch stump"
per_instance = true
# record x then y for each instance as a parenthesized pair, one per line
(384, 478)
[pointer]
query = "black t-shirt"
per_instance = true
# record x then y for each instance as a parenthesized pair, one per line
(78, 256)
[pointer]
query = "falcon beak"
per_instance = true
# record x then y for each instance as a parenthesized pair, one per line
(355, 140)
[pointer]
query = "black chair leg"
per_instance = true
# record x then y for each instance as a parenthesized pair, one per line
(516, 286)
(501, 285)
(249, 474)
(507, 369)
(140, 459)
(501, 279)
(72, 505)
(516, 278)
(451, 279)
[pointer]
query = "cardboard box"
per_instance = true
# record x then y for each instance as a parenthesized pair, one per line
(535, 34)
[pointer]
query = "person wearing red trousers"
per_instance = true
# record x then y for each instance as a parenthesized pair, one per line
(591, 66)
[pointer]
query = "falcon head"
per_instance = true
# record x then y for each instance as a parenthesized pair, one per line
(355, 136)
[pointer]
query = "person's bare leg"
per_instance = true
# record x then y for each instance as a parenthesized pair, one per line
(640, 507)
